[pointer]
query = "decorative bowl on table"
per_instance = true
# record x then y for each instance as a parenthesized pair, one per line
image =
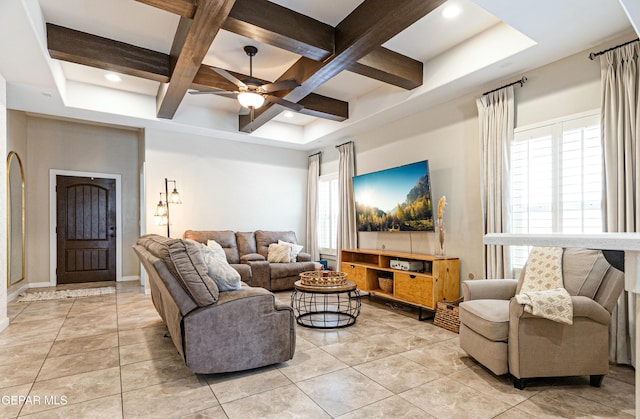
(323, 278)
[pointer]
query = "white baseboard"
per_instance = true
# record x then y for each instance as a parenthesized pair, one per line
(12, 294)
(40, 284)
(4, 323)
(129, 278)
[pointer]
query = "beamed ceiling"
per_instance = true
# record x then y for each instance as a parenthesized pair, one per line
(359, 63)
(355, 44)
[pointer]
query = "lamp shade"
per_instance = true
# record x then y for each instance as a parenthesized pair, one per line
(161, 209)
(250, 100)
(175, 197)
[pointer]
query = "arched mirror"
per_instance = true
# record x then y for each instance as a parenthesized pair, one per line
(15, 219)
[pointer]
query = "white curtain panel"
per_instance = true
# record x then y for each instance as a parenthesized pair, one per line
(312, 206)
(496, 120)
(620, 130)
(347, 231)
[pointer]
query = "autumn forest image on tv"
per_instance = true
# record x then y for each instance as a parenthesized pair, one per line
(396, 199)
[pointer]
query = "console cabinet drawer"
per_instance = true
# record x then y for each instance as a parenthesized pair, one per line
(415, 288)
(355, 273)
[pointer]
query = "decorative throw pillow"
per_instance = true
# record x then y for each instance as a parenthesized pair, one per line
(217, 249)
(295, 249)
(279, 253)
(225, 277)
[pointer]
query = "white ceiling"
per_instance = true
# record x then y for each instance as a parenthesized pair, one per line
(490, 42)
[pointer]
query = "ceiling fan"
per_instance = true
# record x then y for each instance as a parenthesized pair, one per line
(252, 93)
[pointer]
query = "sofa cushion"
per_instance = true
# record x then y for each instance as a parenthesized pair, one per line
(265, 238)
(246, 243)
(489, 318)
(226, 239)
(279, 253)
(285, 270)
(184, 260)
(583, 271)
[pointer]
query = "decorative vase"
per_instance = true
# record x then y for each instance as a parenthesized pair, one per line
(440, 233)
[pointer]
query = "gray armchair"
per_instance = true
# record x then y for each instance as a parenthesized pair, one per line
(498, 333)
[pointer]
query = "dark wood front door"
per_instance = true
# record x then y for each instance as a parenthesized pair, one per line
(86, 229)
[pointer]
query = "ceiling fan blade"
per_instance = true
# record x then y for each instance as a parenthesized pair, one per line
(280, 85)
(283, 102)
(215, 92)
(230, 77)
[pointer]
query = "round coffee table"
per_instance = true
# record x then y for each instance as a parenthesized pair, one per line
(326, 307)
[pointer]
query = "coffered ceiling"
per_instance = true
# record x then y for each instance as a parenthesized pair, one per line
(359, 63)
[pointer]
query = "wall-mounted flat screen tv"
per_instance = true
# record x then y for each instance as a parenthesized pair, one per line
(396, 199)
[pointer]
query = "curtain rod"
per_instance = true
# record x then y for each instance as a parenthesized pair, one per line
(593, 55)
(521, 82)
(315, 154)
(340, 145)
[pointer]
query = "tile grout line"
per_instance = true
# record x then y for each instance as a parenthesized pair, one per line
(119, 357)
(35, 379)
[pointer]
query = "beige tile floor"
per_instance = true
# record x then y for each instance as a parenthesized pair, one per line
(107, 357)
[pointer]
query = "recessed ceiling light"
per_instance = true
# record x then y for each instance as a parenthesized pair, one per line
(451, 11)
(112, 77)
(288, 114)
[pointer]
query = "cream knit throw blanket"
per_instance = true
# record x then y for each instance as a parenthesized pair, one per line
(542, 292)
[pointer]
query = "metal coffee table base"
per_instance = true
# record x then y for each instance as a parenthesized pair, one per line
(325, 309)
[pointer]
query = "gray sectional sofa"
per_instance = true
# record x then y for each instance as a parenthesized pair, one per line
(247, 252)
(214, 331)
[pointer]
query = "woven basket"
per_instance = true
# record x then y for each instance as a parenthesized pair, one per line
(386, 285)
(448, 315)
(323, 278)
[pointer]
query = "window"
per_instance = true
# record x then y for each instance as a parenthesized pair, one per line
(556, 179)
(328, 214)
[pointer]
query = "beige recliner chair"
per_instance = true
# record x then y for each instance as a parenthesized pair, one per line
(498, 333)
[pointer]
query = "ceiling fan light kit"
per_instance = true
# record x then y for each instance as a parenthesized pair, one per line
(250, 100)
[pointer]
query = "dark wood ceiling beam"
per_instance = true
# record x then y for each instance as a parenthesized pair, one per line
(284, 28)
(369, 26)
(276, 25)
(314, 104)
(94, 51)
(192, 42)
(184, 8)
(324, 107)
(390, 67)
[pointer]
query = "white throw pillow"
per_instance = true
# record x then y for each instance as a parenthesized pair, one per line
(225, 277)
(295, 249)
(217, 249)
(279, 253)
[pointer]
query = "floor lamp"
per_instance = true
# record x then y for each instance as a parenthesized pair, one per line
(162, 209)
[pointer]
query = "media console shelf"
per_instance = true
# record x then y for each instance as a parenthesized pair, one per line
(439, 281)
